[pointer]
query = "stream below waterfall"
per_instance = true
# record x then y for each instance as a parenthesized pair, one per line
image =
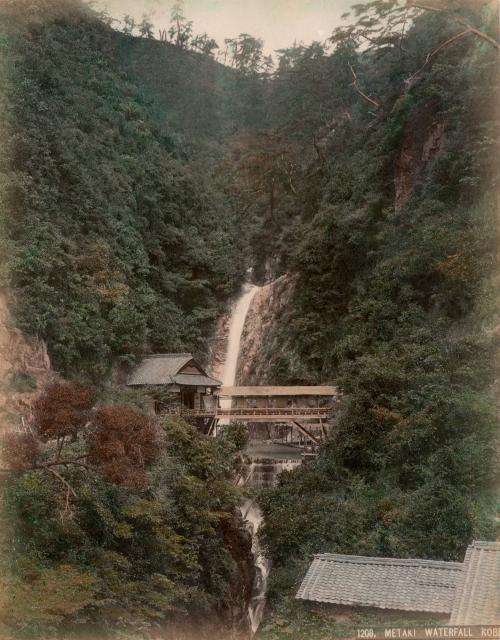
(267, 460)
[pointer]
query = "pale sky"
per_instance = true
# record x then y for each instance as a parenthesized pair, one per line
(278, 22)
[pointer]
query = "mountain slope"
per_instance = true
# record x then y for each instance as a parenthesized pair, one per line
(120, 243)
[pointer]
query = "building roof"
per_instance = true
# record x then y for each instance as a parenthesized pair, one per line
(165, 368)
(190, 379)
(385, 583)
(478, 591)
(236, 392)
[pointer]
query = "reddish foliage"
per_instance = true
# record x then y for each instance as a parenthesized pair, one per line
(62, 410)
(122, 443)
(19, 451)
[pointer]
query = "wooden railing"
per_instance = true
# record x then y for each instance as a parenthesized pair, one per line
(248, 412)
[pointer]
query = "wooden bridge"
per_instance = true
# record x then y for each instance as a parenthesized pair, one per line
(253, 414)
(308, 408)
(196, 395)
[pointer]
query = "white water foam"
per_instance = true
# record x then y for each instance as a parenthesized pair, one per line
(238, 318)
(253, 516)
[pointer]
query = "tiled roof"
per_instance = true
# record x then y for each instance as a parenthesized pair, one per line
(195, 380)
(478, 591)
(158, 369)
(385, 583)
(164, 369)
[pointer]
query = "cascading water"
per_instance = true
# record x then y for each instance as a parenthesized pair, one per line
(250, 510)
(263, 469)
(238, 317)
(253, 516)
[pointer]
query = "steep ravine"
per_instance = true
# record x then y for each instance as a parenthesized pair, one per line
(239, 356)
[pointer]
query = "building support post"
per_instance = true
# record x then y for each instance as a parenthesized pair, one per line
(306, 432)
(213, 427)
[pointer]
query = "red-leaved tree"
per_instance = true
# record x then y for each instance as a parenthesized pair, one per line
(63, 410)
(67, 433)
(122, 442)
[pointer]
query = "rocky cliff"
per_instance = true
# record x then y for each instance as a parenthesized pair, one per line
(261, 350)
(24, 368)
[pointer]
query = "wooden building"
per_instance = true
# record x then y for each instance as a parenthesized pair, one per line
(178, 376)
(395, 588)
(456, 593)
(179, 385)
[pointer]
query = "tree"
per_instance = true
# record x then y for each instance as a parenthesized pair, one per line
(181, 28)
(62, 411)
(128, 25)
(246, 54)
(117, 442)
(145, 27)
(382, 26)
(204, 44)
(123, 441)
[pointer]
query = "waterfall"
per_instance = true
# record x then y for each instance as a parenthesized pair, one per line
(250, 510)
(267, 461)
(253, 517)
(238, 317)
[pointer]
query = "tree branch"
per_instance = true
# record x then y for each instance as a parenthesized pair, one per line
(470, 28)
(65, 482)
(60, 444)
(433, 53)
(373, 102)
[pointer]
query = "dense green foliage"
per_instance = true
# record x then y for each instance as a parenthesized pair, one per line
(119, 558)
(119, 244)
(394, 240)
(138, 179)
(203, 102)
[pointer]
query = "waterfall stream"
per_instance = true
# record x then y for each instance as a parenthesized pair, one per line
(253, 516)
(250, 510)
(263, 469)
(237, 323)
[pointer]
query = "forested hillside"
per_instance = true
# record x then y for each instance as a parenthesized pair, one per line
(119, 239)
(139, 180)
(385, 209)
(120, 242)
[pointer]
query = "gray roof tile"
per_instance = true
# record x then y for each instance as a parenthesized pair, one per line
(195, 380)
(385, 583)
(478, 591)
(157, 369)
(163, 369)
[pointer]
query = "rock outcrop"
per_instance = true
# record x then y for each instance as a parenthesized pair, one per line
(423, 139)
(24, 369)
(259, 341)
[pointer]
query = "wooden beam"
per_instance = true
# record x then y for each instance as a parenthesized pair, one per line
(324, 430)
(306, 432)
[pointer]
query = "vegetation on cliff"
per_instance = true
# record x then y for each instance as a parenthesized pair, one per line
(119, 241)
(116, 522)
(138, 178)
(392, 231)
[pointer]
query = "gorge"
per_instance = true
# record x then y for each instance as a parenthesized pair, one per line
(263, 468)
(143, 183)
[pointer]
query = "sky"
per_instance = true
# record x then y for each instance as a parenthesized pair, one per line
(278, 22)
